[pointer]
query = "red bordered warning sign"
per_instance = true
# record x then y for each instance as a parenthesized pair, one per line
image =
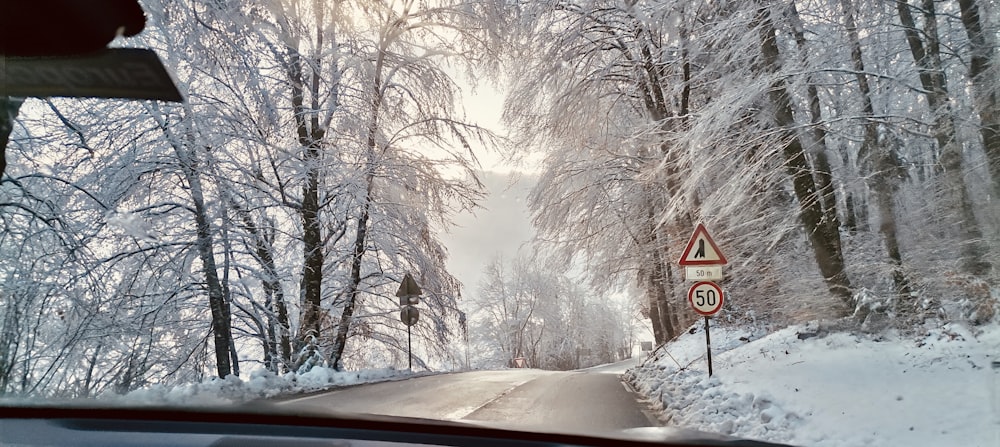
(705, 298)
(701, 250)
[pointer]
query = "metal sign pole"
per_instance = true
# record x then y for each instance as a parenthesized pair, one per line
(708, 347)
(409, 296)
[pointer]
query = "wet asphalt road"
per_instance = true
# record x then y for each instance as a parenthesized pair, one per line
(592, 400)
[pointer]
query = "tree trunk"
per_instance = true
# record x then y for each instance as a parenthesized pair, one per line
(312, 251)
(984, 85)
(227, 295)
(310, 136)
(823, 234)
(190, 169)
(361, 230)
(353, 287)
(663, 299)
(823, 173)
(278, 328)
(312, 247)
(8, 112)
(654, 308)
(222, 335)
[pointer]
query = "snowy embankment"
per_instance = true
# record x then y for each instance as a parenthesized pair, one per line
(261, 384)
(838, 389)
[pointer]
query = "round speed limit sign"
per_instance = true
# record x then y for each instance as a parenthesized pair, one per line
(705, 298)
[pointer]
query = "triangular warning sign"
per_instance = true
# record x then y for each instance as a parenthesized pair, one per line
(701, 250)
(408, 287)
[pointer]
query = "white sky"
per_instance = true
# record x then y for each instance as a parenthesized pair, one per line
(503, 224)
(502, 227)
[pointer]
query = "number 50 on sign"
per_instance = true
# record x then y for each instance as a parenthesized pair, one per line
(705, 298)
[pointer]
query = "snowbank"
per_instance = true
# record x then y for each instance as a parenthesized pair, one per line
(834, 390)
(261, 384)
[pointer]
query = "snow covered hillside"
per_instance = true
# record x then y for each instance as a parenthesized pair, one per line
(836, 389)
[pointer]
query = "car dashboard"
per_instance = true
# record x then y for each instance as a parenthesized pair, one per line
(265, 426)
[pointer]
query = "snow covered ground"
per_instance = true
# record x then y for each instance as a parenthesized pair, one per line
(835, 390)
(260, 384)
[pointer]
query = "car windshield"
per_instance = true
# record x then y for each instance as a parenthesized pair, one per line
(766, 220)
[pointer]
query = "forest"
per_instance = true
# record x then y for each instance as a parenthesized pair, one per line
(844, 153)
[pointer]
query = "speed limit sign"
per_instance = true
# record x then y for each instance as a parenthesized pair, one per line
(705, 298)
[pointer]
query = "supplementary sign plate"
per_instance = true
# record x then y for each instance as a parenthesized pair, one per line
(703, 272)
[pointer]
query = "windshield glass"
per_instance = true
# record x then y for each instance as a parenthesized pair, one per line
(765, 220)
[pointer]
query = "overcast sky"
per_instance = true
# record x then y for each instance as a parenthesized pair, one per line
(502, 227)
(503, 224)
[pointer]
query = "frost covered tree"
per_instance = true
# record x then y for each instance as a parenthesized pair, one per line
(339, 142)
(790, 128)
(267, 220)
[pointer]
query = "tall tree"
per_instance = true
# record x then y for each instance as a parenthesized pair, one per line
(408, 99)
(925, 47)
(823, 233)
(881, 158)
(186, 147)
(983, 74)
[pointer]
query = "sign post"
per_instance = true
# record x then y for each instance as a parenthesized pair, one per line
(708, 348)
(409, 296)
(702, 261)
(706, 299)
